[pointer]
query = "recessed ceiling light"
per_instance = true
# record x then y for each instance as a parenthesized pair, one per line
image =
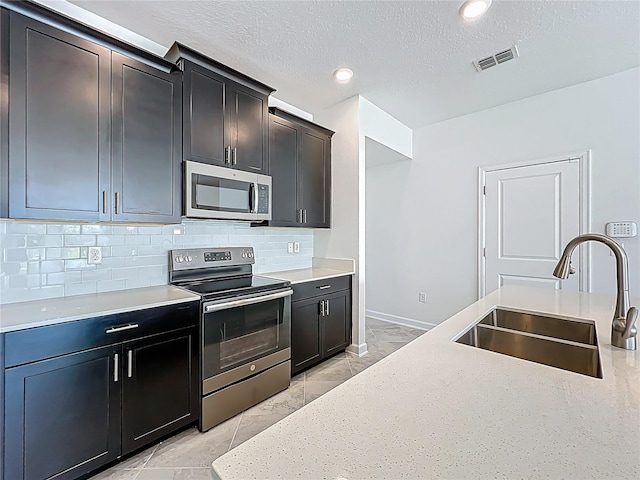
(472, 9)
(343, 75)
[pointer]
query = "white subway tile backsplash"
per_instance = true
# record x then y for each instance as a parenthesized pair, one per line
(80, 240)
(43, 260)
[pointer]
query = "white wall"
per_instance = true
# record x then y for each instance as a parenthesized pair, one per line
(425, 210)
(344, 238)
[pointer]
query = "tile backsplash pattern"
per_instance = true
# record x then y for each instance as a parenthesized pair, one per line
(46, 260)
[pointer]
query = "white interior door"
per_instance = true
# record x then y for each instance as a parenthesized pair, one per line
(531, 212)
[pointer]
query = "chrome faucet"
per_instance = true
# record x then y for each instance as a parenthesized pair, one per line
(623, 329)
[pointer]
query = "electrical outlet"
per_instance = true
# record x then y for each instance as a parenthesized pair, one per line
(422, 297)
(94, 256)
(296, 247)
(289, 247)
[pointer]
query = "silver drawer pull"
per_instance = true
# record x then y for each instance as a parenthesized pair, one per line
(120, 329)
(324, 287)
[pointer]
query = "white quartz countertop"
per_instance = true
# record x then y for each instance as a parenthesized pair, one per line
(307, 274)
(322, 268)
(18, 316)
(439, 409)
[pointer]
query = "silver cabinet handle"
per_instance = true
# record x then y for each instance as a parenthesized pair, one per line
(130, 363)
(116, 367)
(326, 306)
(234, 156)
(324, 287)
(304, 216)
(300, 216)
(122, 328)
(247, 301)
(104, 201)
(227, 154)
(322, 308)
(117, 201)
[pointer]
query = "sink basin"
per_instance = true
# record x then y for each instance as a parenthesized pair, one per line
(567, 344)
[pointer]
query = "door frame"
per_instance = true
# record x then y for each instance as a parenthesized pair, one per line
(583, 157)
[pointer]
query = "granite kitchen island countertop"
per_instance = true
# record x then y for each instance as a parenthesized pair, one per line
(439, 409)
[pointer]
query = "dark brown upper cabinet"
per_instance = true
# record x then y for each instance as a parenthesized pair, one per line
(225, 113)
(300, 168)
(93, 125)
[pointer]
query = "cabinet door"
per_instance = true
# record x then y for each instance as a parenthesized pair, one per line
(305, 334)
(336, 323)
(205, 118)
(59, 118)
(315, 178)
(160, 388)
(63, 415)
(146, 158)
(283, 166)
(249, 116)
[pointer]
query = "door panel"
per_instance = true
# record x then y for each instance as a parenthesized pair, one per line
(62, 415)
(283, 168)
(336, 323)
(205, 120)
(146, 142)
(159, 375)
(249, 117)
(305, 333)
(59, 122)
(531, 213)
(315, 177)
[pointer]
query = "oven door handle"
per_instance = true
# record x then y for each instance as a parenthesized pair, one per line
(247, 301)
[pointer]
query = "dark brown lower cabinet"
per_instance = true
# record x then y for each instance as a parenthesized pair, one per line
(320, 326)
(63, 415)
(159, 387)
(68, 414)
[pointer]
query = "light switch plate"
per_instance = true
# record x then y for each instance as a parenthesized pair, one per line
(289, 247)
(621, 229)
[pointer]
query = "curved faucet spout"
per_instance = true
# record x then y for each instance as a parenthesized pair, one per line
(621, 336)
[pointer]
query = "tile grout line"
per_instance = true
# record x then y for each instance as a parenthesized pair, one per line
(145, 463)
(235, 431)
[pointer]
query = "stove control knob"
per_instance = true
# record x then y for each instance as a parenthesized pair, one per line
(244, 254)
(250, 254)
(188, 258)
(179, 259)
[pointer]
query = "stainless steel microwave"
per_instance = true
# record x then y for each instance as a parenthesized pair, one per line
(225, 194)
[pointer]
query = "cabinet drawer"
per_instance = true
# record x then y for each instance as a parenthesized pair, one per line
(30, 345)
(320, 287)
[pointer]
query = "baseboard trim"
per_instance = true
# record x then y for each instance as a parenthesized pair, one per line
(407, 322)
(358, 350)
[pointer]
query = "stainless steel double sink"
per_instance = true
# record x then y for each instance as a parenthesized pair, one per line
(558, 342)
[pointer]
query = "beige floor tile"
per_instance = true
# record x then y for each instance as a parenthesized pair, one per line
(192, 449)
(283, 403)
(136, 461)
(113, 474)
(251, 425)
(176, 474)
(334, 369)
(313, 390)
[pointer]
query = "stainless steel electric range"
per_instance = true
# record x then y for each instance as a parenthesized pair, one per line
(245, 329)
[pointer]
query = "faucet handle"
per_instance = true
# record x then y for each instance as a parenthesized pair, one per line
(630, 327)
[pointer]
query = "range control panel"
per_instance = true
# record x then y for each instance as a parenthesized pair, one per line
(191, 258)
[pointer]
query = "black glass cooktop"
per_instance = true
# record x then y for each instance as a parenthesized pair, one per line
(223, 287)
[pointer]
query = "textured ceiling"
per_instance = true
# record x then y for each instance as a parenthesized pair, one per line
(412, 59)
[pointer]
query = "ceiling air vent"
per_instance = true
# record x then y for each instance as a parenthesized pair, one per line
(495, 59)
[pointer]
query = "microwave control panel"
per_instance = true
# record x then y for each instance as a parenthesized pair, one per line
(263, 198)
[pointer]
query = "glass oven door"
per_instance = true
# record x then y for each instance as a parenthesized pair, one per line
(241, 330)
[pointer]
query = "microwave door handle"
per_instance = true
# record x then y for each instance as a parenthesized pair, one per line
(252, 198)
